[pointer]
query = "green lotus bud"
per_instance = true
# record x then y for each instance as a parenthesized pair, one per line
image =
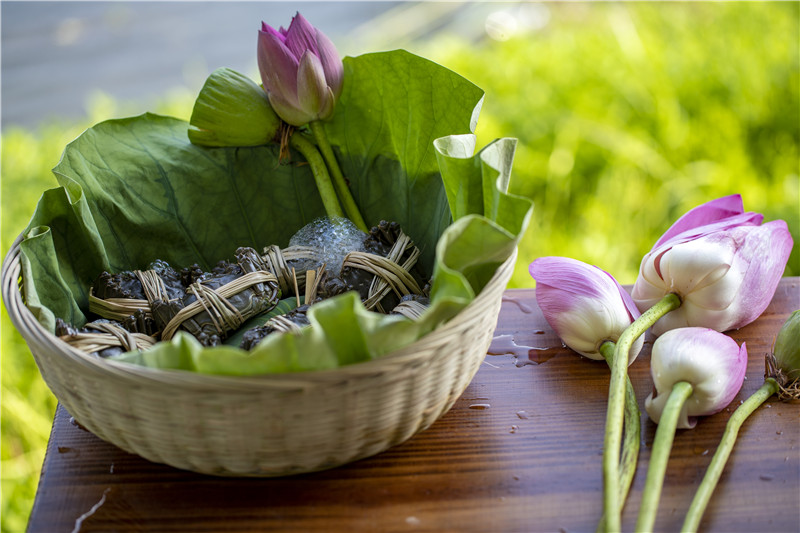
(232, 110)
(787, 347)
(784, 363)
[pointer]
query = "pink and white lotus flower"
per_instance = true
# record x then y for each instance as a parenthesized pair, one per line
(708, 360)
(301, 71)
(583, 304)
(722, 262)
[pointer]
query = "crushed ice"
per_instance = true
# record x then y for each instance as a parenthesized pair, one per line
(334, 237)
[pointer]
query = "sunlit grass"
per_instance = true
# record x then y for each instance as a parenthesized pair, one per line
(627, 115)
(640, 115)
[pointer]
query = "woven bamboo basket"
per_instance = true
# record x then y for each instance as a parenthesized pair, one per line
(272, 425)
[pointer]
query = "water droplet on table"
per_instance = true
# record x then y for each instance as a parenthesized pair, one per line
(524, 307)
(76, 423)
(542, 355)
(522, 415)
(480, 406)
(504, 344)
(525, 355)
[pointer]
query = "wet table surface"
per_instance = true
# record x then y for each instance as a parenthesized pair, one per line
(520, 451)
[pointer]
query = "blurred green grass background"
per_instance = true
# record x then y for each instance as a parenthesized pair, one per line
(627, 115)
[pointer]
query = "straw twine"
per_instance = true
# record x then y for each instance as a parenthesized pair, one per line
(389, 275)
(275, 260)
(224, 315)
(108, 335)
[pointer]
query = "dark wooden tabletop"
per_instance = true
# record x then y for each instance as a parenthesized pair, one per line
(520, 451)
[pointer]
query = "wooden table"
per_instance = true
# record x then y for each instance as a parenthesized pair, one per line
(520, 451)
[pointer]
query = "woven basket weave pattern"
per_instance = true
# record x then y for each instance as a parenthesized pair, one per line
(265, 425)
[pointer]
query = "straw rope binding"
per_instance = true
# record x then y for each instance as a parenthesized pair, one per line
(276, 261)
(225, 316)
(389, 275)
(105, 335)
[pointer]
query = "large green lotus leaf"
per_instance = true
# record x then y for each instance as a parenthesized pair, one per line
(393, 106)
(488, 220)
(136, 189)
(55, 283)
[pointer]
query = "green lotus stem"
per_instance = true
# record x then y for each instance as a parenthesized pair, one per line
(717, 465)
(662, 445)
(321, 176)
(339, 182)
(612, 506)
(631, 439)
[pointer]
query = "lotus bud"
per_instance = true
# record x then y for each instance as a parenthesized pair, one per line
(300, 70)
(784, 362)
(231, 110)
(708, 360)
(722, 263)
(583, 304)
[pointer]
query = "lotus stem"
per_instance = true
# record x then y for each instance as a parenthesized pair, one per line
(339, 181)
(631, 439)
(717, 465)
(612, 506)
(321, 176)
(662, 445)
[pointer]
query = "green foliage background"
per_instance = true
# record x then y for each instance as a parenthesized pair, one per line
(627, 115)
(645, 112)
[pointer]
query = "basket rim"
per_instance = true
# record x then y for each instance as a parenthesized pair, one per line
(33, 332)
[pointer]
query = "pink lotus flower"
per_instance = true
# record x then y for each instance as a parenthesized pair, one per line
(583, 304)
(722, 262)
(301, 71)
(708, 360)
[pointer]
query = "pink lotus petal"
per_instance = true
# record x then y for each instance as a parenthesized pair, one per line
(266, 28)
(630, 305)
(278, 67)
(766, 250)
(311, 88)
(301, 36)
(566, 274)
(331, 63)
(744, 219)
(706, 213)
